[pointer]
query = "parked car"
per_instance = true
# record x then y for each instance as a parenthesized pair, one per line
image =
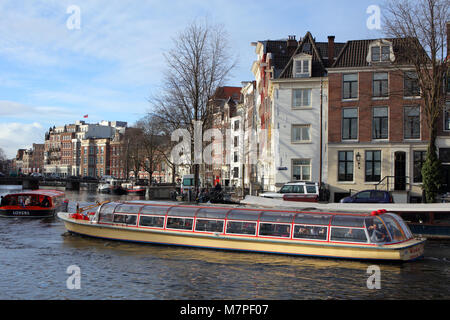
(36, 175)
(52, 176)
(370, 196)
(2, 174)
(297, 188)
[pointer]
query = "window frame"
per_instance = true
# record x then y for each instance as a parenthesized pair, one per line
(379, 83)
(351, 84)
(412, 136)
(301, 127)
(345, 162)
(380, 123)
(294, 98)
(372, 162)
(301, 170)
(350, 138)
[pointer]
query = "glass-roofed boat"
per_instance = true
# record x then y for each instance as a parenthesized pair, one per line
(377, 235)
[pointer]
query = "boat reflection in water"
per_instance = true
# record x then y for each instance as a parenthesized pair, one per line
(376, 236)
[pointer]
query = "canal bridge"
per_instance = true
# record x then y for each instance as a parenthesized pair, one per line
(33, 183)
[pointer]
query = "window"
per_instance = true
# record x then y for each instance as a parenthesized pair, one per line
(125, 219)
(275, 230)
(301, 133)
(350, 86)
(236, 156)
(447, 117)
(241, 227)
(236, 141)
(419, 160)
(302, 69)
(381, 53)
(180, 223)
(380, 125)
(236, 172)
(310, 232)
(350, 124)
(236, 125)
(412, 122)
(301, 169)
(301, 98)
(348, 235)
(411, 85)
(345, 171)
(373, 166)
(380, 84)
(209, 225)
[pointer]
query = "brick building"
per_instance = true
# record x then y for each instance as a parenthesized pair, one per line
(377, 137)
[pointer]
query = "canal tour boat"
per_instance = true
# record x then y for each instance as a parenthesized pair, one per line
(376, 236)
(33, 204)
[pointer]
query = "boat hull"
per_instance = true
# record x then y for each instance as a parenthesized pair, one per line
(407, 251)
(26, 213)
(138, 192)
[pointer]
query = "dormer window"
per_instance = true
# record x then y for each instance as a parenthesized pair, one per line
(381, 53)
(302, 67)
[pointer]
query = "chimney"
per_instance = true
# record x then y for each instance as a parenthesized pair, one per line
(330, 50)
(291, 45)
(448, 38)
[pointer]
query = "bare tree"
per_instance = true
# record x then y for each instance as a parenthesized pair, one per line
(421, 25)
(197, 65)
(151, 142)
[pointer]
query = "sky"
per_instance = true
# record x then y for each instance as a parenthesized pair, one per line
(63, 59)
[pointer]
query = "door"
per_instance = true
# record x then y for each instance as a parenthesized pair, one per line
(400, 171)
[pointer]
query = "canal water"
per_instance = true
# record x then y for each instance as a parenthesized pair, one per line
(35, 256)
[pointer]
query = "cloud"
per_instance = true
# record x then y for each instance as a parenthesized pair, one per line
(16, 110)
(15, 135)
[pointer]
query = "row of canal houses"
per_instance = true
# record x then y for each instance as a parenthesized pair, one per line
(348, 115)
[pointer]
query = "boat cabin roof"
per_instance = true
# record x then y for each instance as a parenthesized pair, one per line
(48, 193)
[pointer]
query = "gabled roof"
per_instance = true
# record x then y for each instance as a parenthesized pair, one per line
(319, 52)
(355, 53)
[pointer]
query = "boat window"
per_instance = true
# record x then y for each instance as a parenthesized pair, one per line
(248, 215)
(277, 217)
(312, 218)
(275, 230)
(348, 235)
(180, 223)
(156, 210)
(126, 208)
(183, 211)
(310, 232)
(241, 227)
(395, 230)
(407, 232)
(348, 221)
(106, 212)
(125, 219)
(377, 230)
(151, 221)
(108, 207)
(212, 213)
(209, 225)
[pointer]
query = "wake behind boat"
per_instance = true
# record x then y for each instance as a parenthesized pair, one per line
(377, 236)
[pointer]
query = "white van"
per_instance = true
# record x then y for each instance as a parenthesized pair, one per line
(294, 188)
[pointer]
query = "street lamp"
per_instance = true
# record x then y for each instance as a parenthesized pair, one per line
(358, 159)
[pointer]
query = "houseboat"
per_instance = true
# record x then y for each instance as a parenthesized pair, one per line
(379, 235)
(33, 204)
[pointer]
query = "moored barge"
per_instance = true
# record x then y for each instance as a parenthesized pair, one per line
(376, 236)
